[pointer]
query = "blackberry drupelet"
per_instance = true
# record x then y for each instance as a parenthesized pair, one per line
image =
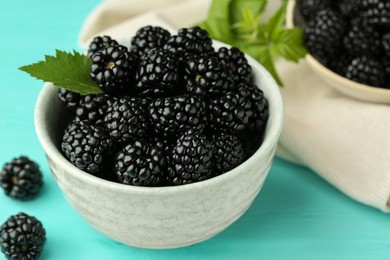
(350, 8)
(126, 119)
(190, 160)
(231, 112)
(158, 73)
(366, 70)
(22, 237)
(172, 116)
(86, 146)
(362, 38)
(190, 40)
(310, 8)
(113, 68)
(323, 35)
(147, 38)
(21, 178)
(165, 144)
(69, 98)
(92, 108)
(259, 104)
(206, 76)
(228, 152)
(234, 60)
(340, 64)
(140, 164)
(100, 43)
(377, 12)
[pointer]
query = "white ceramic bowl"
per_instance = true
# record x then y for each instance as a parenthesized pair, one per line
(343, 85)
(162, 217)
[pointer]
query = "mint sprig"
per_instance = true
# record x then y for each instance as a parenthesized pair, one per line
(66, 70)
(237, 23)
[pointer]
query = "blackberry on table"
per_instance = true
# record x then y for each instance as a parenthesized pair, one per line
(310, 8)
(190, 40)
(366, 70)
(21, 178)
(86, 146)
(92, 108)
(22, 237)
(69, 98)
(113, 68)
(207, 76)
(190, 160)
(228, 152)
(126, 119)
(147, 38)
(235, 61)
(231, 112)
(99, 43)
(158, 73)
(140, 164)
(323, 35)
(172, 116)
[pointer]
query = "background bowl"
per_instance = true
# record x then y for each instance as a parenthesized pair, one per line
(160, 217)
(348, 87)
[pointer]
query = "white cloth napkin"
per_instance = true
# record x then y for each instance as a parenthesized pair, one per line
(345, 141)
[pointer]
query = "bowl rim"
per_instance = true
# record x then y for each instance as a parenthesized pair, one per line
(272, 136)
(329, 73)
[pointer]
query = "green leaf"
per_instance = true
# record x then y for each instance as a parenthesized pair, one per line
(275, 23)
(238, 6)
(289, 45)
(67, 70)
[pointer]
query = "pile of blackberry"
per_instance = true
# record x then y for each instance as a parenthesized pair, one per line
(350, 37)
(174, 110)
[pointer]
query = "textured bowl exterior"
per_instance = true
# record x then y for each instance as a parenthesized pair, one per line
(339, 83)
(162, 217)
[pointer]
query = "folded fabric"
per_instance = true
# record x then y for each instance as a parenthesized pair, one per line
(345, 141)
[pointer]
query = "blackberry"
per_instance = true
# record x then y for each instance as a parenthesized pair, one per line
(340, 64)
(100, 43)
(22, 237)
(350, 8)
(163, 143)
(362, 38)
(69, 98)
(172, 116)
(234, 60)
(140, 164)
(228, 152)
(366, 70)
(113, 68)
(310, 8)
(92, 108)
(323, 35)
(207, 76)
(126, 119)
(259, 104)
(190, 40)
(86, 146)
(21, 178)
(386, 44)
(158, 73)
(147, 38)
(231, 112)
(251, 141)
(377, 12)
(190, 160)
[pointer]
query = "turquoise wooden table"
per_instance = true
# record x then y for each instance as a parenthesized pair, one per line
(296, 216)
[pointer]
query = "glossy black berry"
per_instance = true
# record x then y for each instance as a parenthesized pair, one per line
(207, 76)
(228, 152)
(126, 119)
(190, 160)
(140, 163)
(92, 108)
(172, 116)
(310, 8)
(113, 68)
(158, 73)
(147, 38)
(231, 112)
(69, 98)
(236, 63)
(99, 43)
(86, 146)
(190, 40)
(323, 35)
(22, 237)
(21, 178)
(366, 70)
